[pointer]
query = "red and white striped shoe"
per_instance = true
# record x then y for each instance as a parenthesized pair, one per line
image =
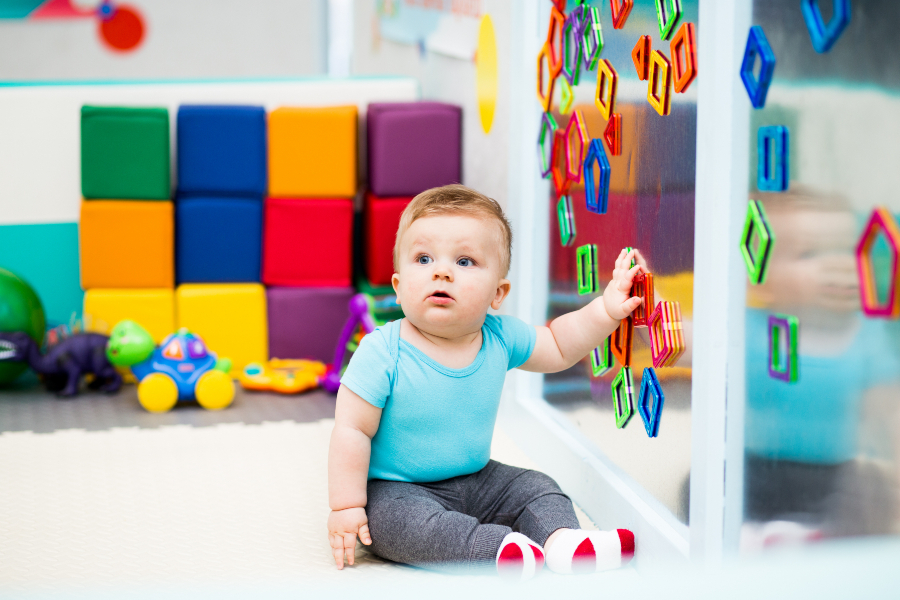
(519, 557)
(581, 551)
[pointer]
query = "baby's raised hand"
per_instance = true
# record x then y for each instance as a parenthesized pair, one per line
(617, 298)
(343, 527)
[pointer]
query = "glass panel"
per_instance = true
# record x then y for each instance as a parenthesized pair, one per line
(821, 452)
(651, 208)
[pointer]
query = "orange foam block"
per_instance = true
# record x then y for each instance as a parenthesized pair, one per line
(312, 152)
(127, 244)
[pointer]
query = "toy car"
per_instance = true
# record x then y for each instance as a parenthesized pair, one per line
(283, 376)
(179, 369)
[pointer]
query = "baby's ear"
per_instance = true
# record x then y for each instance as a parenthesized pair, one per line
(395, 283)
(502, 292)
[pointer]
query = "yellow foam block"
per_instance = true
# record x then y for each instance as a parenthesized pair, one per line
(127, 244)
(230, 317)
(154, 309)
(312, 152)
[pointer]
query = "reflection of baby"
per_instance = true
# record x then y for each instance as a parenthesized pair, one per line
(802, 438)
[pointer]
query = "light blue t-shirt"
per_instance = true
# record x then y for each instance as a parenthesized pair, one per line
(436, 422)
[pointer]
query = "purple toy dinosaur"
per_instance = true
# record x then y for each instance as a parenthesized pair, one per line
(64, 364)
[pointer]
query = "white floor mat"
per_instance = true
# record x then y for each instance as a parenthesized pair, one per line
(131, 507)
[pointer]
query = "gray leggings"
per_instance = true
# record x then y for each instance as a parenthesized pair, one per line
(460, 522)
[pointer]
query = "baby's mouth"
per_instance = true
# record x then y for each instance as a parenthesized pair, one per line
(440, 298)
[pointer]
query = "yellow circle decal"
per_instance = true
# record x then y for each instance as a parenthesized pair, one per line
(486, 72)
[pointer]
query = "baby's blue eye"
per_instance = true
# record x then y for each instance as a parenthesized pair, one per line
(464, 262)
(423, 260)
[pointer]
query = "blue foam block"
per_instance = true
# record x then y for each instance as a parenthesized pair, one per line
(222, 150)
(218, 240)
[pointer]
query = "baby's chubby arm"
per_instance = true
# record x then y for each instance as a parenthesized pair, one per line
(572, 336)
(355, 422)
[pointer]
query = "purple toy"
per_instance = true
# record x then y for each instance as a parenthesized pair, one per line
(65, 362)
(305, 322)
(360, 316)
(413, 146)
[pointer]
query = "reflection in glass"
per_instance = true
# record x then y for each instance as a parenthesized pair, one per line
(651, 208)
(822, 453)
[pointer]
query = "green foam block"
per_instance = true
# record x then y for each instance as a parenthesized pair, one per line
(125, 153)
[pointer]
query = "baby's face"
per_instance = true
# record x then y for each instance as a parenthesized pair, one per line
(450, 273)
(813, 265)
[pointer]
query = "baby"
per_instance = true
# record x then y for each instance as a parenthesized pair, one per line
(409, 468)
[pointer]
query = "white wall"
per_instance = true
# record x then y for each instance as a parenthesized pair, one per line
(184, 39)
(446, 79)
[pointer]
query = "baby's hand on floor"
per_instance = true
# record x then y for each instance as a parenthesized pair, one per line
(343, 527)
(617, 297)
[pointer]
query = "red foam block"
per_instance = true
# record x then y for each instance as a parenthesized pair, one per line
(382, 217)
(308, 242)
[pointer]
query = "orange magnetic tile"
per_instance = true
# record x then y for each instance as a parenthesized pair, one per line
(555, 39)
(622, 341)
(546, 80)
(683, 50)
(640, 55)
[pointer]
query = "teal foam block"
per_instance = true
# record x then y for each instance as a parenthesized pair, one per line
(46, 256)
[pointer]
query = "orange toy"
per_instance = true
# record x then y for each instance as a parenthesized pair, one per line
(312, 152)
(127, 244)
(283, 376)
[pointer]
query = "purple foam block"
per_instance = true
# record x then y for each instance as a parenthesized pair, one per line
(413, 146)
(306, 322)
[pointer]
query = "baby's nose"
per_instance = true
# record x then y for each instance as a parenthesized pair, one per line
(442, 272)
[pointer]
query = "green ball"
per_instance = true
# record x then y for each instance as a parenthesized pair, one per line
(20, 310)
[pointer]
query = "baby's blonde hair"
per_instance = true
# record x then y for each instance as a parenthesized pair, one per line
(455, 199)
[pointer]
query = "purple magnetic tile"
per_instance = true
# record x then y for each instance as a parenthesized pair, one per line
(785, 327)
(305, 322)
(413, 147)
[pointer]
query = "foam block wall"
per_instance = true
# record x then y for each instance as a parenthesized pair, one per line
(312, 152)
(126, 244)
(230, 317)
(125, 153)
(219, 239)
(306, 322)
(308, 242)
(413, 147)
(222, 150)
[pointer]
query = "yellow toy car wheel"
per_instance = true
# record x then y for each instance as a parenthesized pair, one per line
(214, 390)
(157, 392)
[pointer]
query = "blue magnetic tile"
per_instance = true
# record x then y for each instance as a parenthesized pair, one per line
(824, 36)
(222, 150)
(651, 391)
(757, 86)
(218, 240)
(772, 146)
(596, 196)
